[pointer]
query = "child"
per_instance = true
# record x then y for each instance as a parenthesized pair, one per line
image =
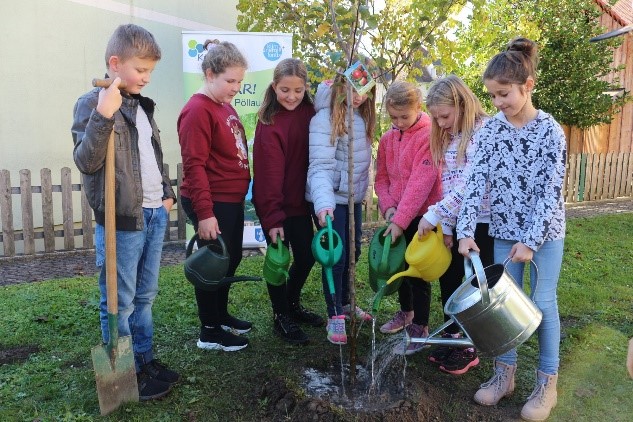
(143, 195)
(280, 167)
(521, 155)
(216, 176)
(407, 182)
(456, 115)
(327, 185)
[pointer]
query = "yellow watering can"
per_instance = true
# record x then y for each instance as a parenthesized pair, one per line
(428, 258)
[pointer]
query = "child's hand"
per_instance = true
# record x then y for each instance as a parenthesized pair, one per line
(110, 99)
(208, 228)
(466, 245)
(168, 203)
(448, 240)
(389, 214)
(425, 227)
(277, 231)
(395, 231)
(521, 253)
(321, 216)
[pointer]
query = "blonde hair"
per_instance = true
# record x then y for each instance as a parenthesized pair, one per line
(222, 55)
(515, 64)
(451, 91)
(270, 106)
(338, 110)
(130, 41)
(403, 94)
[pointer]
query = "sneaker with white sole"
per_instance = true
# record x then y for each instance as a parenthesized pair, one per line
(336, 330)
(400, 320)
(236, 325)
(216, 338)
(360, 314)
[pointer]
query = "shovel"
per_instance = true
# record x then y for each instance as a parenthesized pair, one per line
(115, 372)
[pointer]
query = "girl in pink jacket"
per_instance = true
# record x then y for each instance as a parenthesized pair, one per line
(407, 182)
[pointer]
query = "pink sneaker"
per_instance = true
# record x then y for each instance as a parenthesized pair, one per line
(336, 330)
(400, 320)
(414, 331)
(360, 314)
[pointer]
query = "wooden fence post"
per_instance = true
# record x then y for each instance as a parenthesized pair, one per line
(26, 200)
(6, 210)
(48, 225)
(67, 209)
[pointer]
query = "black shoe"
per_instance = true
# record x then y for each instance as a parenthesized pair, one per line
(238, 326)
(440, 354)
(306, 316)
(150, 388)
(212, 338)
(460, 361)
(160, 372)
(286, 327)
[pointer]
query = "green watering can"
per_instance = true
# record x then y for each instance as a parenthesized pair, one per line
(327, 249)
(385, 259)
(276, 263)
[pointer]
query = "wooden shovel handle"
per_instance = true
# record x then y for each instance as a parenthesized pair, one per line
(105, 83)
(110, 229)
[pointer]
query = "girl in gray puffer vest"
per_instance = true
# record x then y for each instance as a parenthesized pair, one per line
(328, 187)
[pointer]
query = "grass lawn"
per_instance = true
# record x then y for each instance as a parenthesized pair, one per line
(56, 323)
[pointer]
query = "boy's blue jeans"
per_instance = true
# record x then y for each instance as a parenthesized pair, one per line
(548, 259)
(138, 263)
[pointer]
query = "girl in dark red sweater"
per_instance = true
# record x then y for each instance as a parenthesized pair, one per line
(216, 176)
(280, 167)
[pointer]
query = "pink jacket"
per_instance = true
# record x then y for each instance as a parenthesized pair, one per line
(406, 177)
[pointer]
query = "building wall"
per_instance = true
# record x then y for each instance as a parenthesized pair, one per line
(52, 49)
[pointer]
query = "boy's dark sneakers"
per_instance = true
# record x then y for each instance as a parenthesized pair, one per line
(215, 338)
(158, 371)
(150, 388)
(306, 316)
(460, 361)
(236, 325)
(286, 327)
(441, 353)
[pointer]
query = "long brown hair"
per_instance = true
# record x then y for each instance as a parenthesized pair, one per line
(515, 64)
(270, 106)
(338, 110)
(451, 91)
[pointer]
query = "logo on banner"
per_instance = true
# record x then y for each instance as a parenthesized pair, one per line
(196, 50)
(259, 235)
(272, 51)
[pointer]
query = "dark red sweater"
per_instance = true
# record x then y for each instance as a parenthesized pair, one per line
(214, 154)
(280, 166)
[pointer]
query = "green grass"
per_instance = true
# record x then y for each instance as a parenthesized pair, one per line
(60, 317)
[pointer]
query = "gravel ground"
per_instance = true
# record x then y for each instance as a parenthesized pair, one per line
(25, 269)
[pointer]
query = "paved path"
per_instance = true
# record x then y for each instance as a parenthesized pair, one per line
(77, 263)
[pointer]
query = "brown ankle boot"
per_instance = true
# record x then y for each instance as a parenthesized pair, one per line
(499, 386)
(542, 400)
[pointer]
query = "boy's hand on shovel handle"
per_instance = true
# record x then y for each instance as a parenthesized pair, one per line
(110, 99)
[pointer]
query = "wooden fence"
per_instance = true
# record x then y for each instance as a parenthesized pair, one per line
(590, 177)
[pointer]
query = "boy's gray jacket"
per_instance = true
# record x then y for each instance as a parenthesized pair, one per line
(90, 133)
(327, 173)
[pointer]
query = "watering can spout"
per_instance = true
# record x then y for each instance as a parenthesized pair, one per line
(378, 298)
(409, 272)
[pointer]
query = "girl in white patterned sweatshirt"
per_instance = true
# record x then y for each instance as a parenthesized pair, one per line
(521, 154)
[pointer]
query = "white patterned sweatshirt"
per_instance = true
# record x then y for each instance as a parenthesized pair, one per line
(525, 168)
(454, 176)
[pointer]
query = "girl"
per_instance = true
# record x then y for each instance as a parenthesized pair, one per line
(521, 155)
(327, 185)
(456, 115)
(280, 166)
(407, 182)
(216, 176)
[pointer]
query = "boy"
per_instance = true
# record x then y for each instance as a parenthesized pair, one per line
(143, 193)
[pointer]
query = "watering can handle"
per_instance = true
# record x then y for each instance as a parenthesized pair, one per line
(195, 239)
(533, 292)
(330, 235)
(382, 267)
(475, 262)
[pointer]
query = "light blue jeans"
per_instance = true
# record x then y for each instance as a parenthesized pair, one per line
(138, 256)
(548, 259)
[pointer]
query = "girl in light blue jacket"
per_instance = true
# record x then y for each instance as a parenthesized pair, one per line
(328, 187)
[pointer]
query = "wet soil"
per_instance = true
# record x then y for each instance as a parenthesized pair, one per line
(16, 354)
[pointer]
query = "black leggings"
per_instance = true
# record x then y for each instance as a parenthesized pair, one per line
(453, 277)
(298, 232)
(212, 306)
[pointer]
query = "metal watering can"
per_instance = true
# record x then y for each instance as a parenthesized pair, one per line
(428, 258)
(492, 310)
(327, 249)
(276, 263)
(206, 268)
(385, 259)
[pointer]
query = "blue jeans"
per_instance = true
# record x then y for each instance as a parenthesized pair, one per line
(138, 256)
(340, 270)
(548, 259)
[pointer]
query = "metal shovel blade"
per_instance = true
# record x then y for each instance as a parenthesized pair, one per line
(115, 374)
(611, 34)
